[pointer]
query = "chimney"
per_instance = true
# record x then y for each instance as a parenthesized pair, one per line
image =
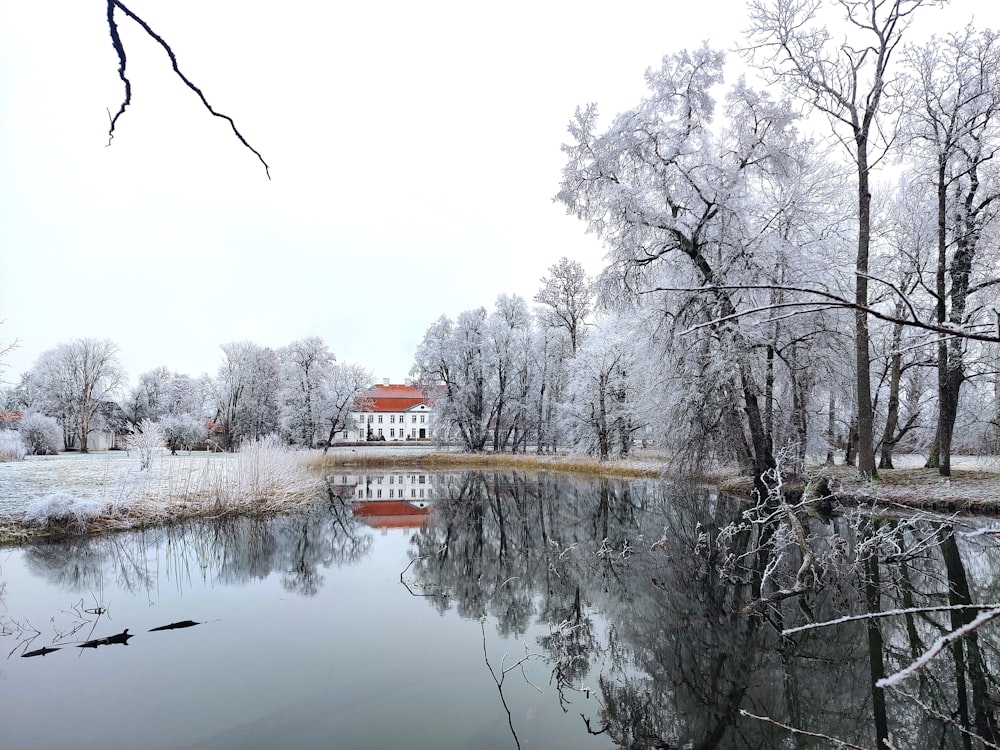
(385, 381)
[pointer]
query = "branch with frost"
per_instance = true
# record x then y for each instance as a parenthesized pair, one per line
(828, 300)
(837, 742)
(931, 711)
(887, 613)
(116, 42)
(936, 648)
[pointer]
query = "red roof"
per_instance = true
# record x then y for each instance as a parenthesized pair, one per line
(390, 398)
(389, 514)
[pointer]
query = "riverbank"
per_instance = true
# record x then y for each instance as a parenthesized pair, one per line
(207, 485)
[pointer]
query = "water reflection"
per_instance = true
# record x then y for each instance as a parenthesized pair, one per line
(656, 620)
(631, 581)
(228, 551)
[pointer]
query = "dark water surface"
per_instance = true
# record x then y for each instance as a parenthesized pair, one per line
(494, 611)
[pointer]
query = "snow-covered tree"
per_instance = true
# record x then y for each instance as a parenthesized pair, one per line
(246, 393)
(307, 366)
(567, 298)
(953, 123)
(669, 190)
(849, 80)
(453, 358)
(182, 432)
(72, 382)
(342, 392)
(605, 401)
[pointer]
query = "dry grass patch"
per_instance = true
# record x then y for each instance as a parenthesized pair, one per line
(374, 459)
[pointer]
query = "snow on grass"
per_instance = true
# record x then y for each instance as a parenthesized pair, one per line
(72, 489)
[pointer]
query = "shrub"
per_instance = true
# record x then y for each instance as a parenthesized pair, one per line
(42, 435)
(147, 441)
(62, 509)
(12, 446)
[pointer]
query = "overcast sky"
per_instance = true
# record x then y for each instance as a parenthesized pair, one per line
(414, 152)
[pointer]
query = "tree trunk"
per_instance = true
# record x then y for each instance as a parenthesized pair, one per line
(889, 436)
(866, 448)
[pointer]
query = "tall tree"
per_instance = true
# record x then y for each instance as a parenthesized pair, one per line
(76, 379)
(340, 394)
(246, 390)
(453, 358)
(307, 365)
(952, 122)
(849, 82)
(567, 294)
(668, 196)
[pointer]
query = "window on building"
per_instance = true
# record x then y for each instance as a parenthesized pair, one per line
(392, 432)
(371, 418)
(414, 418)
(378, 495)
(380, 419)
(392, 418)
(421, 419)
(380, 432)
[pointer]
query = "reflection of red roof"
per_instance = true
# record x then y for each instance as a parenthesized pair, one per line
(10, 416)
(390, 398)
(391, 514)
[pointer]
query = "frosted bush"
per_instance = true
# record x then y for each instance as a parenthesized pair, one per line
(147, 441)
(12, 447)
(42, 435)
(62, 509)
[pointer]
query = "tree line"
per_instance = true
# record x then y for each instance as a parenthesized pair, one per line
(802, 264)
(299, 391)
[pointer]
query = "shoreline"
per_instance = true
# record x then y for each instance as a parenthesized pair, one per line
(972, 490)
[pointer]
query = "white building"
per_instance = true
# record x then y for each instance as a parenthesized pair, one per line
(391, 413)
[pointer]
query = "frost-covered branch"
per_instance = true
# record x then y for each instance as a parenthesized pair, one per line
(835, 300)
(887, 613)
(116, 42)
(936, 648)
(837, 742)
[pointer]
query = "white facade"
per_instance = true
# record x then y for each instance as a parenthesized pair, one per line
(413, 424)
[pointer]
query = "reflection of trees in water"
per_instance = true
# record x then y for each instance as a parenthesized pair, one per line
(232, 550)
(679, 658)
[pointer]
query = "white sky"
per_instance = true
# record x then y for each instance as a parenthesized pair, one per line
(414, 153)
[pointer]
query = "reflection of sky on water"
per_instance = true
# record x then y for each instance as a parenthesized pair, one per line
(308, 637)
(358, 662)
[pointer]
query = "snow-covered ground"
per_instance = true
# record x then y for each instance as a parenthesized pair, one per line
(112, 476)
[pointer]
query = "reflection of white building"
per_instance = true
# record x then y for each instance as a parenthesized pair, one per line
(415, 488)
(391, 413)
(387, 501)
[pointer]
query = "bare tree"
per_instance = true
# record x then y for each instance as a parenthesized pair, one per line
(953, 126)
(849, 82)
(343, 392)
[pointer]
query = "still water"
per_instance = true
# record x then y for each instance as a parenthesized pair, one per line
(496, 611)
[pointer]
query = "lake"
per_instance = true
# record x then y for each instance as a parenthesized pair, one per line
(499, 610)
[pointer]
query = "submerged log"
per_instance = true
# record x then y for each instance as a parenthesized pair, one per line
(121, 638)
(39, 652)
(176, 625)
